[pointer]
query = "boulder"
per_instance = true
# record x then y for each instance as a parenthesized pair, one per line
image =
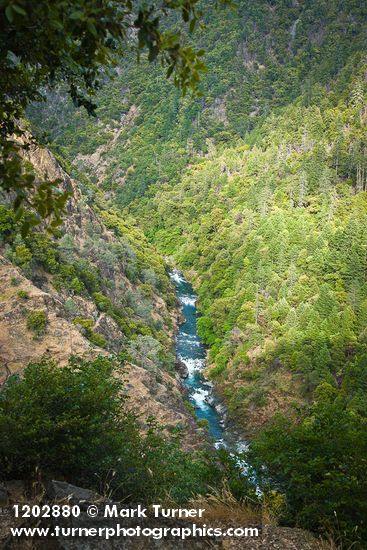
(181, 368)
(60, 490)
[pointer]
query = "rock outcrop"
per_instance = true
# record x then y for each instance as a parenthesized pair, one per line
(18, 345)
(157, 393)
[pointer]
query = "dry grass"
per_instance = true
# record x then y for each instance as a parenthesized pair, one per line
(221, 507)
(327, 545)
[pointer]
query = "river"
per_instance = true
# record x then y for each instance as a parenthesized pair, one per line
(192, 352)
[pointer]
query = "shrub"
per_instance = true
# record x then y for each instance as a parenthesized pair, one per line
(77, 286)
(88, 275)
(37, 322)
(123, 325)
(7, 223)
(98, 339)
(70, 306)
(67, 247)
(87, 325)
(190, 407)
(149, 277)
(217, 371)
(72, 423)
(319, 464)
(203, 423)
(49, 420)
(102, 302)
(22, 256)
(145, 352)
(44, 251)
(146, 290)
(22, 294)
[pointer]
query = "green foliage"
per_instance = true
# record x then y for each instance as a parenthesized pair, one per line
(75, 43)
(84, 323)
(203, 423)
(279, 262)
(100, 271)
(72, 422)
(22, 294)
(319, 462)
(22, 256)
(37, 322)
(259, 192)
(103, 303)
(71, 307)
(145, 351)
(43, 251)
(34, 200)
(255, 65)
(98, 339)
(87, 328)
(77, 286)
(7, 223)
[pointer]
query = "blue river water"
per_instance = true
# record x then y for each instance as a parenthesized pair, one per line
(192, 352)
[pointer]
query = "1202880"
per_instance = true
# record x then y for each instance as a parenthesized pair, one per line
(46, 511)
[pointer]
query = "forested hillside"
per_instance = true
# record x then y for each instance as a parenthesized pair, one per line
(276, 234)
(257, 190)
(88, 388)
(259, 56)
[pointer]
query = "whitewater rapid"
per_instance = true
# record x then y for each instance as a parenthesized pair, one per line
(192, 352)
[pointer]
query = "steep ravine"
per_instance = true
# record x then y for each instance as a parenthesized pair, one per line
(155, 392)
(152, 389)
(192, 353)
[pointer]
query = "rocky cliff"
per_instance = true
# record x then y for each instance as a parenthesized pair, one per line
(46, 311)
